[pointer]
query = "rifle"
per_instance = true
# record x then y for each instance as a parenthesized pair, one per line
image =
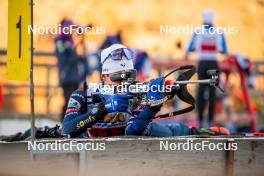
(138, 90)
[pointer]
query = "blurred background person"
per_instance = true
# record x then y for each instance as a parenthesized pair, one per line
(112, 39)
(69, 78)
(142, 64)
(207, 42)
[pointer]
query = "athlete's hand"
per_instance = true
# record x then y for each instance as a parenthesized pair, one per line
(156, 92)
(117, 103)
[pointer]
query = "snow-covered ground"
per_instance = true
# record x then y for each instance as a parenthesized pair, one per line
(11, 126)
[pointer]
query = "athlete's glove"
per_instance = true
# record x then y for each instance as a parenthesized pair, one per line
(156, 92)
(117, 103)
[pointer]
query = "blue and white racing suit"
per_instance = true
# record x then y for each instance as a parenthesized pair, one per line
(100, 124)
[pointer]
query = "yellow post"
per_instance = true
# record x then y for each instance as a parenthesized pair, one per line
(18, 47)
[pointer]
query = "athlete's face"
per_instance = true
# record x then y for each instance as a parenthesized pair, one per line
(107, 81)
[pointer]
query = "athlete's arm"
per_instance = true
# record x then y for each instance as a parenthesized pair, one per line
(138, 124)
(75, 121)
(223, 44)
(191, 46)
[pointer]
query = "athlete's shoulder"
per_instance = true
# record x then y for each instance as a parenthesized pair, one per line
(78, 94)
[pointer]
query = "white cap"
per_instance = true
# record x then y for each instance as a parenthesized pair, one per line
(208, 16)
(112, 66)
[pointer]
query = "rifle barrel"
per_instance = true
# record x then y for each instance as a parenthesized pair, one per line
(204, 81)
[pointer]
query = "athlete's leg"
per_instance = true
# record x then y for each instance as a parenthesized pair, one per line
(159, 130)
